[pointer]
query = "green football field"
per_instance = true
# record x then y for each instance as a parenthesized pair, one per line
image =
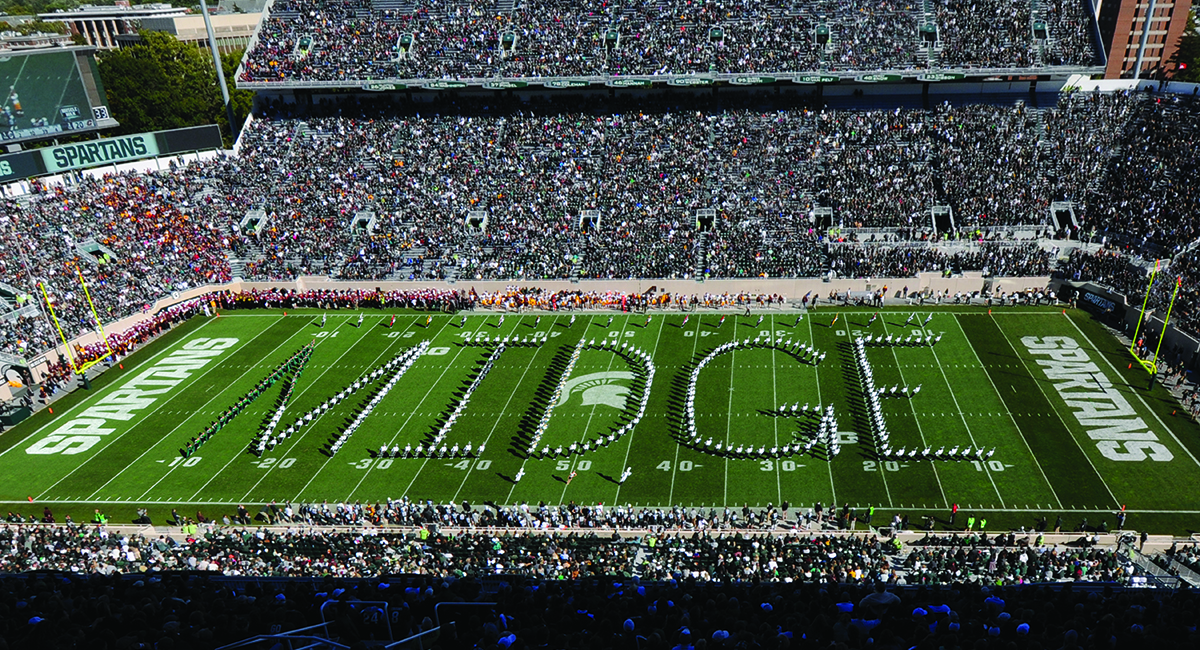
(1076, 432)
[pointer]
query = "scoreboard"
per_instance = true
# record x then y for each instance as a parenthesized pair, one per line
(45, 93)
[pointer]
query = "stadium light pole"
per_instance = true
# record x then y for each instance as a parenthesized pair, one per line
(212, 43)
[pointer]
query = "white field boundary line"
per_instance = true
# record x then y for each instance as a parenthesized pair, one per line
(917, 421)
(425, 462)
(1054, 405)
(181, 389)
(592, 414)
(325, 464)
(171, 469)
(362, 336)
(89, 401)
(1131, 390)
(629, 447)
(504, 410)
(1017, 427)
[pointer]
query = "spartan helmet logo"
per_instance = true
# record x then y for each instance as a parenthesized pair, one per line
(598, 388)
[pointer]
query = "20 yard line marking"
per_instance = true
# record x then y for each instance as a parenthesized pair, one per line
(311, 426)
(147, 417)
(249, 367)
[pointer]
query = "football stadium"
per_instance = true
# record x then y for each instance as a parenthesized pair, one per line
(663, 324)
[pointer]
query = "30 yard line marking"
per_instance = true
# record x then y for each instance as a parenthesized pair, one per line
(1054, 405)
(425, 462)
(1016, 427)
(312, 425)
(775, 421)
(504, 410)
(182, 386)
(692, 359)
(629, 447)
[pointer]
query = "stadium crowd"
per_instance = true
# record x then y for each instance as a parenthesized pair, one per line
(560, 189)
(354, 41)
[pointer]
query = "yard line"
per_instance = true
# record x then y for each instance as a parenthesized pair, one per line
(592, 414)
(310, 426)
(817, 374)
(1053, 405)
(1132, 390)
(775, 421)
(500, 415)
(425, 462)
(729, 411)
(953, 398)
(629, 447)
(1020, 433)
(330, 458)
(171, 470)
(182, 385)
(90, 401)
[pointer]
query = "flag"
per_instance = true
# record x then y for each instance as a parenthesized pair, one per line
(393, 321)
(835, 317)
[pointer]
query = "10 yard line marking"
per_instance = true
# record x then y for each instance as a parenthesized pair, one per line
(1016, 427)
(171, 470)
(1061, 419)
(312, 425)
(93, 399)
(146, 419)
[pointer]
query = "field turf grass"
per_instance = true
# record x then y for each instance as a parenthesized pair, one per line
(981, 386)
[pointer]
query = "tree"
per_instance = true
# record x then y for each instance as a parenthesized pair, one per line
(161, 83)
(1188, 52)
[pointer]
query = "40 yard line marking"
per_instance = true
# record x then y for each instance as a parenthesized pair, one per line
(181, 386)
(424, 463)
(675, 467)
(311, 384)
(1016, 427)
(629, 447)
